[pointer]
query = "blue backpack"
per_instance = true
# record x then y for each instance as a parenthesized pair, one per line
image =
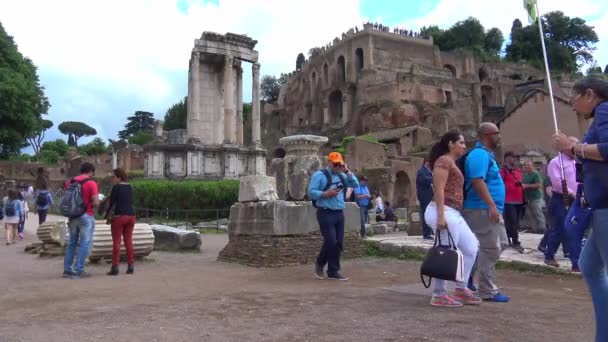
(10, 208)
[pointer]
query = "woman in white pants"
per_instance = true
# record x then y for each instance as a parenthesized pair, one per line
(443, 214)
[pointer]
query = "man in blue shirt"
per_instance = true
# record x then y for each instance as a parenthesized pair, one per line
(363, 201)
(424, 192)
(329, 197)
(483, 206)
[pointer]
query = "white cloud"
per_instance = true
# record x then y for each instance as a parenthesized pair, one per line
(137, 49)
(131, 42)
(502, 13)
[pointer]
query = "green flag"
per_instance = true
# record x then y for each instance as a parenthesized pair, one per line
(530, 6)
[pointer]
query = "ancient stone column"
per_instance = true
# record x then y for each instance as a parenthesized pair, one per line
(229, 114)
(194, 119)
(255, 110)
(239, 105)
(114, 159)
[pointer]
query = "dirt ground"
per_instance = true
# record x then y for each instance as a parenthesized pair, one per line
(192, 297)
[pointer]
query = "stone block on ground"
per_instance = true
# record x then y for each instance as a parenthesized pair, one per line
(380, 228)
(401, 213)
(390, 226)
(401, 227)
(50, 251)
(393, 249)
(143, 241)
(174, 239)
(369, 230)
(34, 247)
(257, 188)
(52, 232)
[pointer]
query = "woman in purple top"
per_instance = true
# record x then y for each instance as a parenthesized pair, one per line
(591, 100)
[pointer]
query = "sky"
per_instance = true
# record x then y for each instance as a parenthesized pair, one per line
(100, 61)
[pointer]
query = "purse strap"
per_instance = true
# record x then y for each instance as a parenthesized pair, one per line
(451, 243)
(426, 284)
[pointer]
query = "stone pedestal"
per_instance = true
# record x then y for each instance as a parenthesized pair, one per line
(280, 233)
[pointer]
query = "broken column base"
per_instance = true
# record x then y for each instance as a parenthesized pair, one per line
(282, 233)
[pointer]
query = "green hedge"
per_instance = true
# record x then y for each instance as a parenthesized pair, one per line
(163, 194)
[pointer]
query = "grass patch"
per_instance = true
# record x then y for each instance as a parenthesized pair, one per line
(373, 251)
(519, 266)
(211, 231)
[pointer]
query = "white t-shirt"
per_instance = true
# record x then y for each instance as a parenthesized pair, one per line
(379, 204)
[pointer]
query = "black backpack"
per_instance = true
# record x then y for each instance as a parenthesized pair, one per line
(42, 200)
(461, 165)
(328, 182)
(72, 204)
(10, 208)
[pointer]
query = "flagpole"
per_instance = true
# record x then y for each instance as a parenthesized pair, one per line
(542, 41)
(561, 159)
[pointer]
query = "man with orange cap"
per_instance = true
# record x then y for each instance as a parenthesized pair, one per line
(326, 190)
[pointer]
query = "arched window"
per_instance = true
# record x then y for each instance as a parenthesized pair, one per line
(341, 69)
(483, 74)
(451, 68)
(335, 107)
(325, 74)
(359, 59)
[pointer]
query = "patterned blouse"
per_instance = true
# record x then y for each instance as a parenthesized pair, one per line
(454, 197)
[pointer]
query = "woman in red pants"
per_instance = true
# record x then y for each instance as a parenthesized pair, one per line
(123, 220)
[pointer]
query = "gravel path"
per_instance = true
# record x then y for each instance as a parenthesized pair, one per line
(191, 297)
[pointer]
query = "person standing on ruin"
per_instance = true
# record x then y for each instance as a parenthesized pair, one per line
(424, 192)
(483, 207)
(363, 197)
(326, 190)
(514, 199)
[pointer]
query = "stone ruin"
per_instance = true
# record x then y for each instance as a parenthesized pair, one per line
(53, 236)
(274, 223)
(213, 146)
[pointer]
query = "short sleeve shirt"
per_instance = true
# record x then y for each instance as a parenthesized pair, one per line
(362, 190)
(533, 194)
(89, 190)
(480, 164)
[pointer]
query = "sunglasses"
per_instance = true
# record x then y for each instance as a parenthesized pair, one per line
(493, 133)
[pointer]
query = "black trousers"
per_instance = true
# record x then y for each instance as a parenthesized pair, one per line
(331, 223)
(512, 214)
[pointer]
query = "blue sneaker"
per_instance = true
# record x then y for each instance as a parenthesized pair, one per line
(498, 298)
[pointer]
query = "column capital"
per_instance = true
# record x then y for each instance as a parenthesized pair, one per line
(228, 59)
(255, 67)
(196, 55)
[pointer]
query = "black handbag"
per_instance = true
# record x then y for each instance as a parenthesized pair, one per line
(442, 262)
